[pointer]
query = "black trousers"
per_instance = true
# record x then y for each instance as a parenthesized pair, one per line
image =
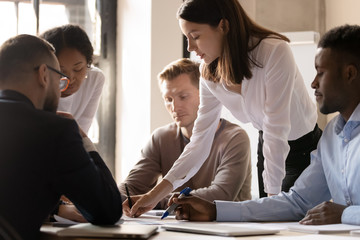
(297, 160)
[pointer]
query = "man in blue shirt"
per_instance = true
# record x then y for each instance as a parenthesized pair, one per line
(327, 191)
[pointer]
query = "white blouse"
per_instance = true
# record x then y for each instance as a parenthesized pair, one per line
(84, 103)
(274, 100)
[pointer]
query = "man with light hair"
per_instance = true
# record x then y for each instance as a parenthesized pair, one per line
(226, 174)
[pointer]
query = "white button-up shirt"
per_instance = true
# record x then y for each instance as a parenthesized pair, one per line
(274, 100)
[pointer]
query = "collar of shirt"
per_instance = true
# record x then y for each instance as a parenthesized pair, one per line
(11, 95)
(343, 128)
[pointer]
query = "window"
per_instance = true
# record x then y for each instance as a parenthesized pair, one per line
(19, 17)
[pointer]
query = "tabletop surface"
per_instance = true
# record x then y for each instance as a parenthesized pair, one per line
(48, 231)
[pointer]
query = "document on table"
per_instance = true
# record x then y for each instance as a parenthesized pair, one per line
(323, 229)
(63, 222)
(154, 213)
(310, 237)
(355, 233)
(151, 218)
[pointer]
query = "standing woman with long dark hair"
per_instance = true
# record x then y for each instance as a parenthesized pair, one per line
(251, 71)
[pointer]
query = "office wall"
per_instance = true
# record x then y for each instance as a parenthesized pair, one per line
(342, 12)
(291, 15)
(339, 13)
(148, 37)
(166, 46)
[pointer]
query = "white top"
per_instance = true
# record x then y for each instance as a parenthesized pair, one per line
(84, 103)
(274, 100)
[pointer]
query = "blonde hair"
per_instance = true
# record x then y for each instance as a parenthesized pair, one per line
(178, 67)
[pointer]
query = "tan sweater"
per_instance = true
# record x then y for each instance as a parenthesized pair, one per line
(225, 175)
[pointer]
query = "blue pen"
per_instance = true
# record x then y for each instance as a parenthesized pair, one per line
(170, 209)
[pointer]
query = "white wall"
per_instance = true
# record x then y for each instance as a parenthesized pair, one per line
(342, 12)
(148, 38)
(166, 46)
(339, 13)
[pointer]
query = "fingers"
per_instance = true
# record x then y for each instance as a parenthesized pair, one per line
(170, 201)
(135, 208)
(138, 208)
(181, 213)
(126, 208)
(311, 221)
(140, 212)
(137, 201)
(312, 218)
(184, 200)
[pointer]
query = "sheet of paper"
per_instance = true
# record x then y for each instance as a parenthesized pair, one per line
(147, 220)
(165, 235)
(329, 228)
(309, 237)
(63, 222)
(158, 213)
(355, 233)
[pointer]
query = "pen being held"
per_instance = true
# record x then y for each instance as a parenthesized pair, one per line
(172, 207)
(197, 208)
(128, 196)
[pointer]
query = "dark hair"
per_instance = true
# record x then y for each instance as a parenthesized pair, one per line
(235, 61)
(178, 67)
(343, 39)
(70, 36)
(23, 53)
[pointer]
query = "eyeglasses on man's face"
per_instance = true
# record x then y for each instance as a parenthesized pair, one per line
(64, 80)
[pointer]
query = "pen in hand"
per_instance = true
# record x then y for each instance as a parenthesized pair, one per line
(128, 196)
(170, 209)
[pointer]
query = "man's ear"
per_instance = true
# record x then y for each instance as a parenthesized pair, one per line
(43, 75)
(351, 72)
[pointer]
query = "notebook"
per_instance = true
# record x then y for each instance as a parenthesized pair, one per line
(217, 229)
(126, 231)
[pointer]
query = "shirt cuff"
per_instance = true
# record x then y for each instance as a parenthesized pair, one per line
(351, 215)
(88, 145)
(273, 189)
(227, 211)
(171, 179)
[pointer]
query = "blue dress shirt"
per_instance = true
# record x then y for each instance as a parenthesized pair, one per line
(334, 173)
